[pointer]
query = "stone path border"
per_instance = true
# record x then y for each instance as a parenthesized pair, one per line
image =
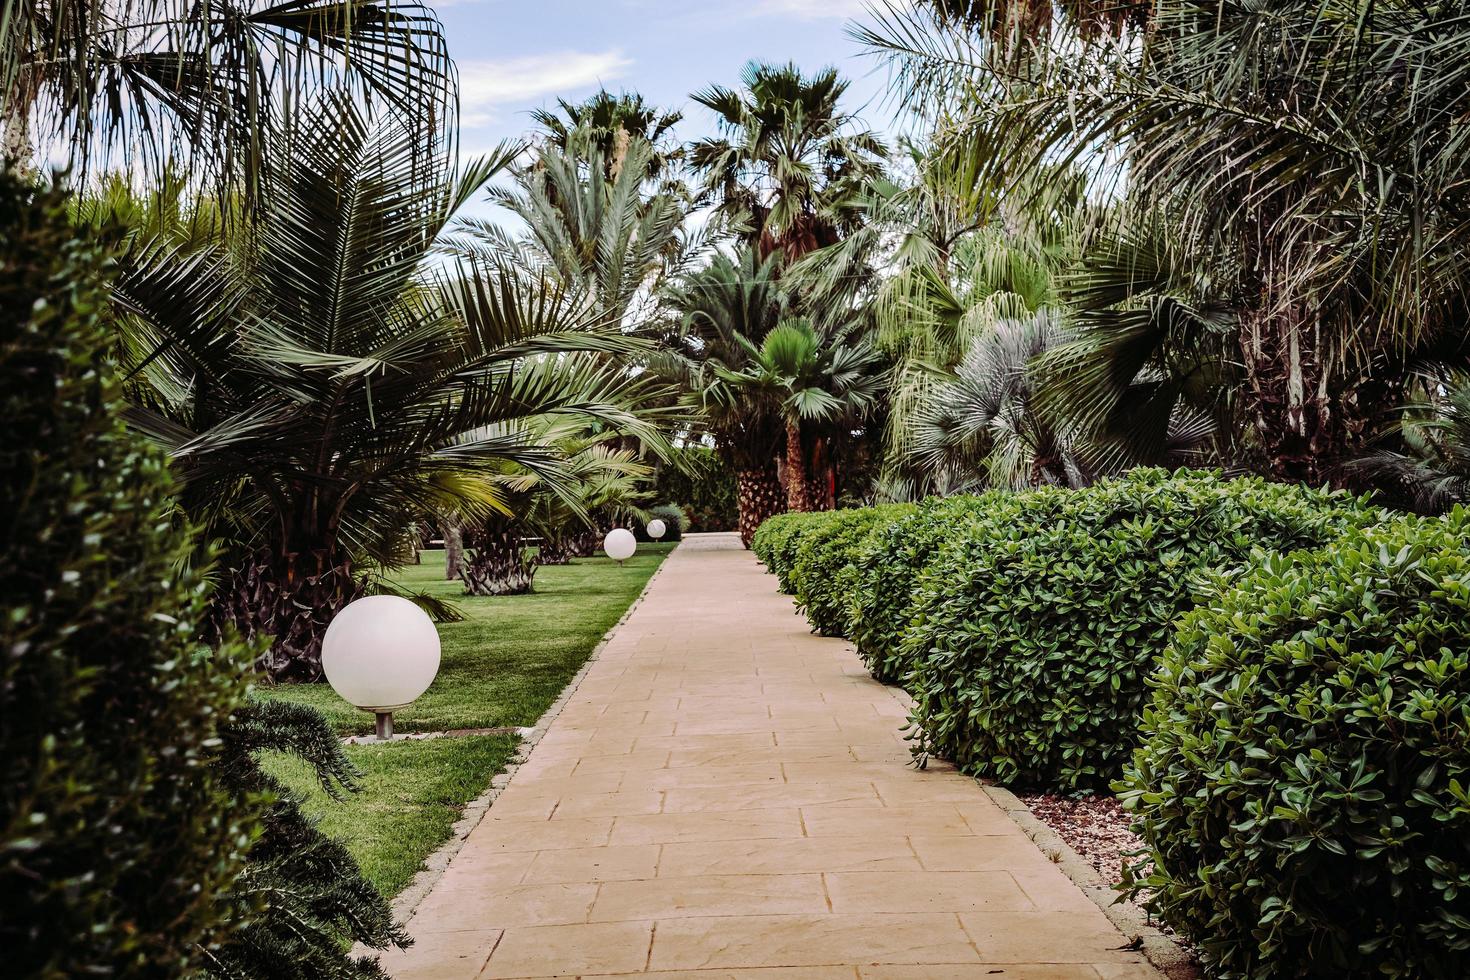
(1172, 960)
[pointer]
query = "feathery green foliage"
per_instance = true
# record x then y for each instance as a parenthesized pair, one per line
(302, 899)
(320, 387)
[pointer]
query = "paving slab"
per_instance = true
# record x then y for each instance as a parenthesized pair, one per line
(727, 795)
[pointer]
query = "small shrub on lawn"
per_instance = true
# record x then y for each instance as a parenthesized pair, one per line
(1303, 782)
(826, 568)
(1039, 622)
(674, 521)
(889, 565)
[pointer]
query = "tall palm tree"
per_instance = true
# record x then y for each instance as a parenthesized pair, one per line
(808, 376)
(161, 83)
(718, 312)
(321, 386)
(789, 163)
(606, 238)
(613, 122)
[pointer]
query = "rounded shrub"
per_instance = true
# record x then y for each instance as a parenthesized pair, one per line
(826, 568)
(783, 533)
(674, 523)
(888, 565)
(1303, 782)
(1040, 620)
(770, 535)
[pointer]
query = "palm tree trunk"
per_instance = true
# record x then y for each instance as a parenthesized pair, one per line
(1308, 419)
(757, 497)
(582, 543)
(795, 468)
(555, 550)
(453, 549)
(291, 598)
(497, 564)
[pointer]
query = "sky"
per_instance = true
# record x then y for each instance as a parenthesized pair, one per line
(514, 56)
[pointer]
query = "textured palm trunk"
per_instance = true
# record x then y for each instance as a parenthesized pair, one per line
(821, 479)
(497, 564)
(796, 498)
(583, 543)
(554, 551)
(453, 549)
(758, 496)
(292, 600)
(1308, 420)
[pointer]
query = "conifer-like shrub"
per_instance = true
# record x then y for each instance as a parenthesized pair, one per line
(827, 565)
(1303, 782)
(119, 838)
(1041, 619)
(889, 565)
(302, 900)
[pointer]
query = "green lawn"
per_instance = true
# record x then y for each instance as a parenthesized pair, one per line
(510, 657)
(410, 795)
(502, 666)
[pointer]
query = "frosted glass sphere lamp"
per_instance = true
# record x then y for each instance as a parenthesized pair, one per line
(380, 653)
(619, 544)
(657, 529)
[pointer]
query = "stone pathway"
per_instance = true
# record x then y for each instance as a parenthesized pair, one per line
(726, 795)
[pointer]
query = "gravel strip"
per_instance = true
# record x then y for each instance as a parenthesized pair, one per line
(1096, 827)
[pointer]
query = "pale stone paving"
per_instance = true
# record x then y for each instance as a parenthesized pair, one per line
(726, 795)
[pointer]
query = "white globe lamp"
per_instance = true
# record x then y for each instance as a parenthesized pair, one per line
(619, 544)
(657, 529)
(380, 653)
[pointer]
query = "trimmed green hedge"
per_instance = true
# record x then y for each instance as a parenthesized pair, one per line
(828, 564)
(1303, 782)
(893, 556)
(1040, 621)
(1025, 624)
(776, 540)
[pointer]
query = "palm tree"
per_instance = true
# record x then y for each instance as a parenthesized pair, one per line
(612, 122)
(1309, 153)
(606, 239)
(828, 378)
(1430, 470)
(611, 485)
(320, 386)
(790, 163)
(718, 313)
(172, 83)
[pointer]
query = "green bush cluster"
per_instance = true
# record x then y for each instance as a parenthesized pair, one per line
(889, 564)
(1040, 621)
(828, 564)
(1025, 624)
(1303, 783)
(776, 540)
(1301, 771)
(673, 518)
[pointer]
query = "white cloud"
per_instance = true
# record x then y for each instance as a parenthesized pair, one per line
(812, 9)
(486, 87)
